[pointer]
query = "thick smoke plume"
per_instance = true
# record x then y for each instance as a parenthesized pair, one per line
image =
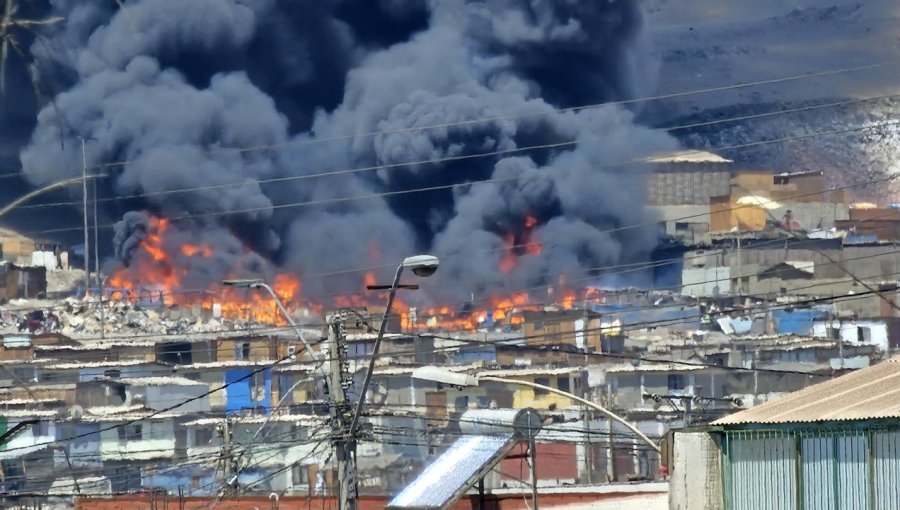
(187, 106)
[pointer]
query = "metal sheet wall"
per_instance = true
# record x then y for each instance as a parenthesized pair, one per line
(853, 469)
(886, 446)
(762, 464)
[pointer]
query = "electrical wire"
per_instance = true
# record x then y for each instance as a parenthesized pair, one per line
(339, 200)
(628, 326)
(463, 157)
(649, 264)
(547, 112)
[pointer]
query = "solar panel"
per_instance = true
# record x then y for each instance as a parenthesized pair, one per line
(453, 472)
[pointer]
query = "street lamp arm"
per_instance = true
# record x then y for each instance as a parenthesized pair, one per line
(287, 317)
(578, 399)
(40, 191)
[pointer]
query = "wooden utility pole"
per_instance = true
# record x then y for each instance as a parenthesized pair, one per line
(229, 462)
(84, 199)
(588, 446)
(342, 413)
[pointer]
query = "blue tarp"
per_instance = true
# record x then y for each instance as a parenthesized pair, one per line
(797, 322)
(475, 353)
(238, 390)
(664, 316)
(166, 477)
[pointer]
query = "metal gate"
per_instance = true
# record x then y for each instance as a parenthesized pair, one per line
(812, 469)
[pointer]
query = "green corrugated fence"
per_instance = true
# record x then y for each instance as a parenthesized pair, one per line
(812, 469)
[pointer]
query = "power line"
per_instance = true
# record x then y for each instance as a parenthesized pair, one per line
(329, 201)
(552, 111)
(166, 409)
(445, 159)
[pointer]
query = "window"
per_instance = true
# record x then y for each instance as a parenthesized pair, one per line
(544, 381)
(562, 383)
(203, 437)
(175, 353)
(682, 226)
(863, 334)
(242, 351)
(360, 349)
(24, 374)
(41, 428)
(300, 475)
(299, 433)
(130, 432)
(484, 402)
(462, 403)
(676, 382)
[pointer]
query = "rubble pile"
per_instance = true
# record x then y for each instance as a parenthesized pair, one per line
(72, 316)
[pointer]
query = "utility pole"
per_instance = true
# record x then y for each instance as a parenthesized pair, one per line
(342, 413)
(96, 239)
(97, 265)
(532, 446)
(687, 410)
(588, 445)
(229, 462)
(740, 278)
(836, 334)
(84, 197)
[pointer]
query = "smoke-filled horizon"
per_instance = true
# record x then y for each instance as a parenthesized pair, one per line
(168, 86)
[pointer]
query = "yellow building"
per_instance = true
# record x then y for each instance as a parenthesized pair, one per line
(568, 379)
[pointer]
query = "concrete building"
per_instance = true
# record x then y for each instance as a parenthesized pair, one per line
(688, 178)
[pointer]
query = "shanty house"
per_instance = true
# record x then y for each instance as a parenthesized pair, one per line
(580, 328)
(28, 450)
(22, 281)
(832, 445)
(270, 444)
(568, 379)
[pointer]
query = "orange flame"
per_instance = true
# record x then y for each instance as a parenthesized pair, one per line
(518, 244)
(202, 250)
(156, 275)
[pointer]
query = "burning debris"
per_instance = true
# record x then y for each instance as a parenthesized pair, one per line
(87, 317)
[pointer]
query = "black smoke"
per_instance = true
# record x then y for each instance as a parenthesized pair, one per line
(170, 93)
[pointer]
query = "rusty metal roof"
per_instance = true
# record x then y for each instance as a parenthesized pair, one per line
(869, 393)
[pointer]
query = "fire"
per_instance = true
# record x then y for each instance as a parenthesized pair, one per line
(519, 244)
(155, 276)
(153, 264)
(202, 250)
(158, 270)
(508, 256)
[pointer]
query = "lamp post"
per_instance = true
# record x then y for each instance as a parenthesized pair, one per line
(345, 447)
(440, 375)
(260, 284)
(422, 266)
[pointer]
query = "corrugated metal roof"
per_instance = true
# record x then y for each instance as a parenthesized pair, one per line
(868, 393)
(689, 156)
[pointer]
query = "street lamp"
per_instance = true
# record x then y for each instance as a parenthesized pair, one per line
(345, 448)
(444, 376)
(260, 284)
(422, 266)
